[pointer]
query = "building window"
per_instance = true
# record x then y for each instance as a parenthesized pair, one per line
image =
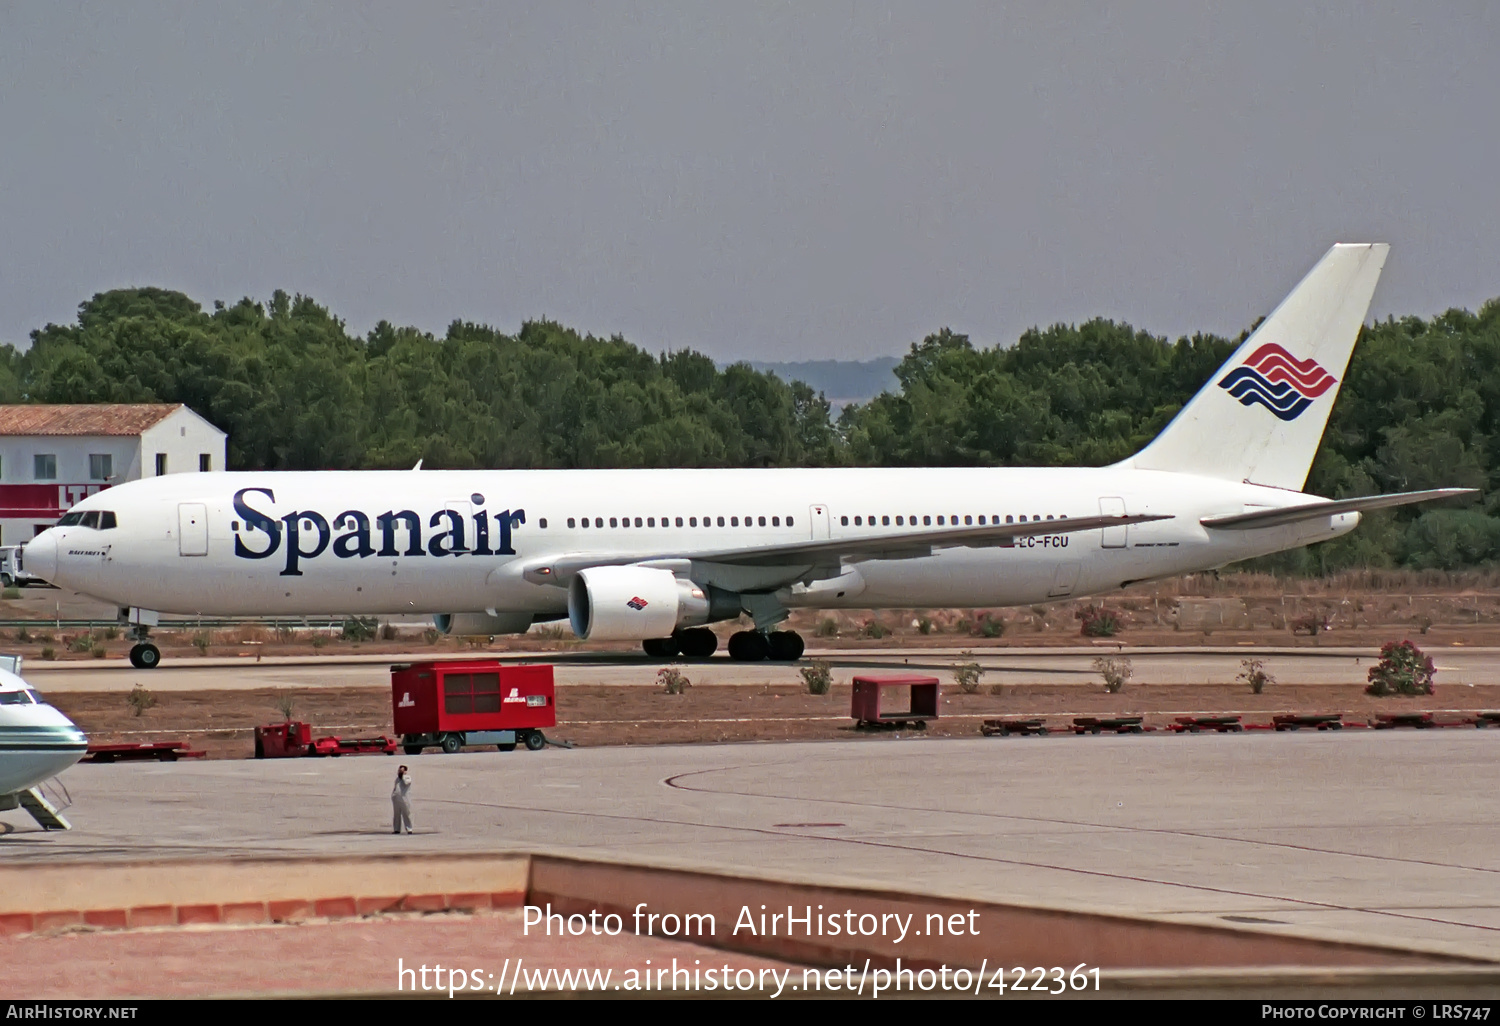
(45, 466)
(205, 462)
(101, 466)
(161, 464)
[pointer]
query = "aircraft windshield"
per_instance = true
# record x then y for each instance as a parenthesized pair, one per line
(17, 698)
(101, 520)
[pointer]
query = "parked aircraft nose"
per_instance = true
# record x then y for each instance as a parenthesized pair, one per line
(39, 556)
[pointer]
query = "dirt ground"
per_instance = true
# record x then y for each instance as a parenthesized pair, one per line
(1367, 608)
(221, 722)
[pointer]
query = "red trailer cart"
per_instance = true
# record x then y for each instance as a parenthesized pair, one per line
(476, 702)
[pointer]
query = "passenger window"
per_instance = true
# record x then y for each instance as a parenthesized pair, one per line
(106, 520)
(927, 521)
(981, 520)
(1049, 516)
(651, 521)
(692, 521)
(1009, 519)
(542, 523)
(969, 520)
(613, 522)
(789, 521)
(679, 521)
(775, 521)
(734, 521)
(572, 522)
(859, 521)
(899, 521)
(940, 521)
(761, 521)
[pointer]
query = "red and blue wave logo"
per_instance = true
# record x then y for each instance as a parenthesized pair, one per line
(637, 603)
(1278, 381)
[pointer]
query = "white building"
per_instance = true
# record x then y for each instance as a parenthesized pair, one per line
(53, 456)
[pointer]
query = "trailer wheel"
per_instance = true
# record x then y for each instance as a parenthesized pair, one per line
(412, 749)
(451, 743)
(535, 741)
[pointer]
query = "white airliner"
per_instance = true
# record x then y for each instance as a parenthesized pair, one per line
(37, 742)
(652, 555)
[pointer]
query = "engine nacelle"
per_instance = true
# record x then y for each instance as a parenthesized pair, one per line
(464, 624)
(633, 603)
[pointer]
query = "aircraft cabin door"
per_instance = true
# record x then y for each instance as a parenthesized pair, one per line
(819, 516)
(1113, 537)
(192, 529)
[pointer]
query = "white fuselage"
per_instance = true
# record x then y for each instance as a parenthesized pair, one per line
(37, 742)
(272, 543)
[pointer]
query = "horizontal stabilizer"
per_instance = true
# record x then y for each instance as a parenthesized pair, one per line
(1327, 508)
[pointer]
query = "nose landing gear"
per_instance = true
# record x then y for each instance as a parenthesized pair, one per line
(144, 655)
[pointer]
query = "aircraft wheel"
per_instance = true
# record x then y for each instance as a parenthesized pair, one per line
(748, 646)
(660, 648)
(696, 642)
(145, 656)
(786, 646)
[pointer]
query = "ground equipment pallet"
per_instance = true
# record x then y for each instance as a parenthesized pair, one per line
(1194, 724)
(1320, 721)
(1026, 727)
(1115, 725)
(162, 751)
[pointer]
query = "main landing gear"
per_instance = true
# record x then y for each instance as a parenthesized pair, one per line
(744, 646)
(144, 655)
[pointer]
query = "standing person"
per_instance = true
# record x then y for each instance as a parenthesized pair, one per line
(400, 802)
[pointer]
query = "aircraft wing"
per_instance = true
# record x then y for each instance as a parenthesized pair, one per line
(1325, 508)
(833, 553)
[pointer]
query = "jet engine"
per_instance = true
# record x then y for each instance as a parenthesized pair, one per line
(633, 603)
(464, 624)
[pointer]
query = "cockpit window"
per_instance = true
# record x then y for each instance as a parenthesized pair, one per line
(17, 698)
(101, 520)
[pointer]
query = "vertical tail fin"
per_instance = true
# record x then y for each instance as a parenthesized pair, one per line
(1261, 417)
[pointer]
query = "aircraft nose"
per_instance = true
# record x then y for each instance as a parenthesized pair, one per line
(39, 556)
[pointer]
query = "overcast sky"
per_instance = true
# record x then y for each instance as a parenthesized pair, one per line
(754, 180)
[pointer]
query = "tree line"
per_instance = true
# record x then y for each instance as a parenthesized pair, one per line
(295, 389)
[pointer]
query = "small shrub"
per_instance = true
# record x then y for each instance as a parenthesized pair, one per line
(387, 632)
(1253, 672)
(111, 633)
(997, 690)
(966, 675)
(97, 652)
(432, 635)
(10, 593)
(358, 628)
(964, 625)
(1403, 670)
(285, 705)
(46, 636)
(48, 652)
(285, 633)
(82, 643)
(1310, 624)
(139, 699)
(1099, 621)
(875, 629)
(991, 626)
(318, 640)
(1115, 671)
(924, 625)
(827, 627)
(477, 641)
(23, 634)
(817, 677)
(672, 680)
(201, 641)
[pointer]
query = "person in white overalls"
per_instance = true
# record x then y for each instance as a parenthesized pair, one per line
(401, 803)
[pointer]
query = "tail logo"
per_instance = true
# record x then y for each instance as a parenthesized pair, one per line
(1278, 381)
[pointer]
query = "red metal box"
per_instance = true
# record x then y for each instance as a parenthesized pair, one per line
(477, 695)
(865, 706)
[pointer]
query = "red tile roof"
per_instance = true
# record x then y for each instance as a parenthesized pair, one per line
(91, 419)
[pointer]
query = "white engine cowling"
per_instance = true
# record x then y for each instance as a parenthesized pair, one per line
(632, 603)
(464, 624)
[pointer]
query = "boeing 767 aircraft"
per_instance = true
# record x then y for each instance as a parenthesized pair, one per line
(653, 555)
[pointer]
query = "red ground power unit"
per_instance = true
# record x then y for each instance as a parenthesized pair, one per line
(474, 702)
(921, 705)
